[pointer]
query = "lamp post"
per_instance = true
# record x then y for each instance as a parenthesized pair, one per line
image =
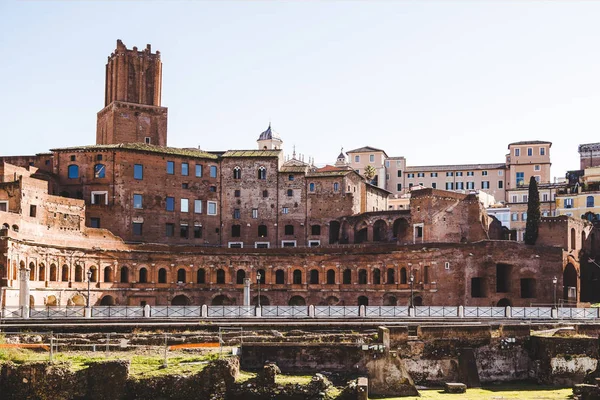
(89, 276)
(412, 281)
(258, 276)
(554, 281)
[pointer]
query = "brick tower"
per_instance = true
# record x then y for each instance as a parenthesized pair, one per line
(132, 112)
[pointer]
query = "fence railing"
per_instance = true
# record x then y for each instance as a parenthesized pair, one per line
(308, 311)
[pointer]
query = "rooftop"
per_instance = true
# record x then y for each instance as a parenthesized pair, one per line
(251, 153)
(141, 147)
(458, 167)
(529, 142)
(269, 134)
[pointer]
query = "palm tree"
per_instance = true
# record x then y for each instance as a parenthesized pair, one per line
(369, 173)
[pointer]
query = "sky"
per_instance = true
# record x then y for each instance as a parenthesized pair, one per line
(438, 82)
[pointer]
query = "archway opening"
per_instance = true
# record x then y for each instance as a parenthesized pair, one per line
(570, 284)
(363, 301)
(181, 300)
(400, 229)
(108, 300)
(334, 232)
(380, 231)
(297, 301)
(504, 302)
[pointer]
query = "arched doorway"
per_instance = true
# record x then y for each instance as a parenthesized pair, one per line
(77, 300)
(389, 300)
(570, 283)
(51, 301)
(360, 232)
(504, 302)
(297, 301)
(222, 300)
(334, 232)
(418, 301)
(264, 301)
(400, 229)
(363, 301)
(181, 300)
(332, 301)
(108, 300)
(380, 231)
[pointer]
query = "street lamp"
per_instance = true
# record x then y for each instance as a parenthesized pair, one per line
(412, 281)
(554, 281)
(258, 276)
(89, 276)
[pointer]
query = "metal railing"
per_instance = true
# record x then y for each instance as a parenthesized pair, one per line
(293, 312)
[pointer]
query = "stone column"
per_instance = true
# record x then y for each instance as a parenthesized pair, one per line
(24, 291)
(247, 292)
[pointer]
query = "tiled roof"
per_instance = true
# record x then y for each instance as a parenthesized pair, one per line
(529, 142)
(459, 167)
(141, 147)
(269, 134)
(330, 168)
(365, 149)
(292, 168)
(325, 174)
(251, 153)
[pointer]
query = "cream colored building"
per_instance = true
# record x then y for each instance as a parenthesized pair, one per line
(582, 200)
(361, 157)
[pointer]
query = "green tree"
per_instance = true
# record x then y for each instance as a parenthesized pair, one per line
(533, 213)
(369, 173)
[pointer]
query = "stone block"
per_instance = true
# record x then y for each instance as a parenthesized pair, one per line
(454, 387)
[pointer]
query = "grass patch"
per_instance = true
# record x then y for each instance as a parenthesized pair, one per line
(501, 392)
(293, 379)
(244, 376)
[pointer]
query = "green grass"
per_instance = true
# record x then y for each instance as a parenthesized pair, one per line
(501, 392)
(293, 379)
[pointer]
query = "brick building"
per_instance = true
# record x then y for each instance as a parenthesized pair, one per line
(154, 224)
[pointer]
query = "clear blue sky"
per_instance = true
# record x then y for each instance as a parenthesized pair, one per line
(439, 82)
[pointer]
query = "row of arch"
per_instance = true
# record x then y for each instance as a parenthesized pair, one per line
(14, 227)
(379, 231)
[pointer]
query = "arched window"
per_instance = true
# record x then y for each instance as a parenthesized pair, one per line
(124, 275)
(78, 273)
(297, 277)
(403, 279)
(314, 277)
(391, 279)
(347, 277)
(262, 230)
(42, 272)
(362, 276)
(331, 277)
(279, 277)
(162, 275)
(262, 173)
(53, 273)
(201, 276)
(426, 274)
(363, 301)
(65, 273)
(143, 276)
(240, 276)
(590, 201)
(94, 275)
(31, 272)
(99, 171)
(220, 276)
(237, 173)
(107, 274)
(573, 242)
(181, 275)
(73, 171)
(376, 276)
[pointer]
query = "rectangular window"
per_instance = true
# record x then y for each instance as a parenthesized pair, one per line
(198, 171)
(460, 186)
(255, 213)
(237, 193)
(137, 201)
(198, 206)
(185, 205)
(138, 171)
(371, 158)
(4, 206)
(500, 173)
(137, 228)
(525, 198)
(95, 222)
(514, 216)
(433, 174)
(568, 203)
(213, 171)
(184, 230)
(471, 185)
(449, 185)
(100, 197)
(387, 177)
(517, 152)
(500, 184)
(32, 210)
(514, 198)
(420, 174)
(387, 163)
(398, 187)
(484, 173)
(434, 185)
(459, 173)
(449, 173)
(285, 210)
(399, 174)
(185, 169)
(197, 231)
(411, 175)
(537, 168)
(470, 173)
(236, 213)
(529, 151)
(212, 207)
(524, 216)
(169, 229)
(336, 187)
(170, 204)
(170, 167)
(485, 184)
(542, 151)
(356, 159)
(545, 197)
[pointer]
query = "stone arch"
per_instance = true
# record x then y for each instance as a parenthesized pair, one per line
(31, 271)
(418, 301)
(222, 300)
(31, 301)
(53, 272)
(400, 230)
(263, 276)
(570, 281)
(65, 273)
(124, 274)
(362, 276)
(297, 301)
(363, 301)
(143, 275)
(15, 228)
(297, 277)
(181, 276)
(390, 278)
(51, 301)
(390, 300)
(201, 276)
(94, 276)
(42, 272)
(240, 275)
(331, 277)
(403, 277)
(347, 277)
(314, 277)
(77, 300)
(380, 231)
(360, 232)
(332, 301)
(108, 300)
(264, 300)
(221, 276)
(376, 276)
(108, 274)
(78, 273)
(162, 275)
(279, 277)
(503, 302)
(181, 300)
(5, 226)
